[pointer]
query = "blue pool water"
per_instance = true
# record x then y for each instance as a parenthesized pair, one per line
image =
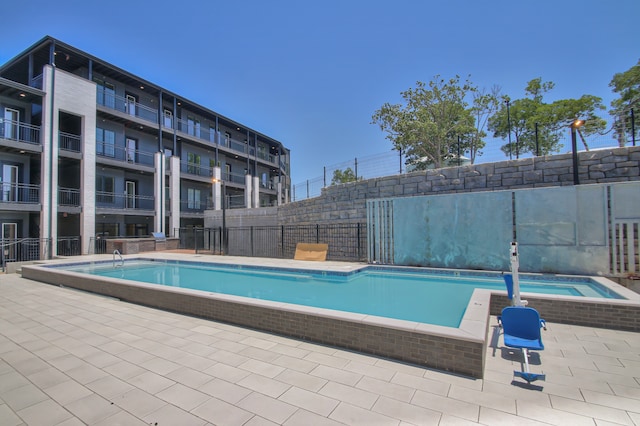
(411, 295)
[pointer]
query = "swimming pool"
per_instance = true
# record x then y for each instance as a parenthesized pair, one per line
(410, 294)
(459, 349)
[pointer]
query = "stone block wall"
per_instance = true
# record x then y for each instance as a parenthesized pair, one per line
(347, 203)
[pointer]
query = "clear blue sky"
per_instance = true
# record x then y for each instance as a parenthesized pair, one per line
(311, 73)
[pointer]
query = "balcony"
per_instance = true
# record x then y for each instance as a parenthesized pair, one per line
(125, 155)
(69, 142)
(20, 132)
(128, 202)
(195, 169)
(22, 193)
(68, 197)
(121, 104)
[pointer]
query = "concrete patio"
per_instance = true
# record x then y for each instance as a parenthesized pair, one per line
(73, 358)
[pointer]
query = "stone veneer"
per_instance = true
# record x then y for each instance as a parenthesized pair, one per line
(347, 202)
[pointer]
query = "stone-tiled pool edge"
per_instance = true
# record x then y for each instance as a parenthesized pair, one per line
(460, 350)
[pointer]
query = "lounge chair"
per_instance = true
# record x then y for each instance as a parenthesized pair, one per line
(521, 329)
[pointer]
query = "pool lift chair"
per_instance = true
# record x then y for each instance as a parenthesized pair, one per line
(521, 324)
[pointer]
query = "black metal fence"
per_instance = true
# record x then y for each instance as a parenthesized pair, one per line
(347, 241)
(29, 249)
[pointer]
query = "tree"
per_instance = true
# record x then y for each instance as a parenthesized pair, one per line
(343, 176)
(483, 107)
(537, 127)
(428, 123)
(627, 85)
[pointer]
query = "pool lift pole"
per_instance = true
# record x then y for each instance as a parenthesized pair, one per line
(514, 261)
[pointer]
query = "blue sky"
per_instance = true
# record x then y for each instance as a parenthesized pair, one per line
(311, 73)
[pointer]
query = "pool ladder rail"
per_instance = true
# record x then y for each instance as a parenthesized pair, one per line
(116, 252)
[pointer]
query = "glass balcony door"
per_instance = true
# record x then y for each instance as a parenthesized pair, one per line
(9, 183)
(130, 194)
(11, 122)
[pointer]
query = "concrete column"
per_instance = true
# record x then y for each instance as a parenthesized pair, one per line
(159, 193)
(216, 188)
(256, 192)
(174, 190)
(74, 95)
(247, 191)
(279, 199)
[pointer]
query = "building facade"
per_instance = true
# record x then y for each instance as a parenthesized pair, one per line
(89, 150)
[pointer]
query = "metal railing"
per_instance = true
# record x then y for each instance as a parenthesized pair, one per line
(69, 142)
(19, 193)
(347, 242)
(21, 132)
(68, 197)
(30, 249)
(120, 153)
(113, 200)
(110, 100)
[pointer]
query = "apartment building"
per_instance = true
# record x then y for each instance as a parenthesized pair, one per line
(88, 149)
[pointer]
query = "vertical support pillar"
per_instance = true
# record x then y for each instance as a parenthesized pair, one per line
(247, 190)
(279, 202)
(49, 167)
(216, 188)
(256, 192)
(159, 193)
(174, 190)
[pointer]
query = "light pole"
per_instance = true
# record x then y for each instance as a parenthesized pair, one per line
(509, 126)
(574, 148)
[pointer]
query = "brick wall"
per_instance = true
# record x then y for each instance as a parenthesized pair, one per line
(347, 202)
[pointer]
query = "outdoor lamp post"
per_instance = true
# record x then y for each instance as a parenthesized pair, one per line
(509, 126)
(574, 148)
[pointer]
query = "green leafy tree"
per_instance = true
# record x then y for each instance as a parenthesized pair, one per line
(343, 176)
(537, 127)
(427, 124)
(627, 85)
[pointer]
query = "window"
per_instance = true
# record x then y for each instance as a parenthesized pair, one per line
(227, 138)
(193, 163)
(212, 165)
(193, 126)
(104, 189)
(105, 142)
(212, 134)
(106, 93)
(193, 200)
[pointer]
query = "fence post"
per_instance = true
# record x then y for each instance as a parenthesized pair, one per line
(324, 176)
(282, 241)
(317, 233)
(251, 238)
(307, 188)
(400, 151)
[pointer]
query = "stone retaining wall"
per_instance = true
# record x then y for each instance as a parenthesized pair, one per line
(347, 202)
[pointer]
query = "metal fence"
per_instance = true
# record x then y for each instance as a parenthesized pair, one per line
(394, 162)
(347, 242)
(30, 249)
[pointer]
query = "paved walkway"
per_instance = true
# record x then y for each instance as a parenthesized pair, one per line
(73, 358)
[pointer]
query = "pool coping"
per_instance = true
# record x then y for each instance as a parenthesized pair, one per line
(460, 350)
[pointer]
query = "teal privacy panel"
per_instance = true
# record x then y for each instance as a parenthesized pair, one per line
(470, 231)
(562, 229)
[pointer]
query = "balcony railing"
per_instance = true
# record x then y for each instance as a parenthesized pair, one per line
(19, 193)
(120, 153)
(195, 169)
(119, 103)
(21, 132)
(36, 82)
(234, 177)
(68, 197)
(69, 142)
(112, 200)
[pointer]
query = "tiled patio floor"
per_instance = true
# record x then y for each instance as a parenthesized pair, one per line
(72, 358)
